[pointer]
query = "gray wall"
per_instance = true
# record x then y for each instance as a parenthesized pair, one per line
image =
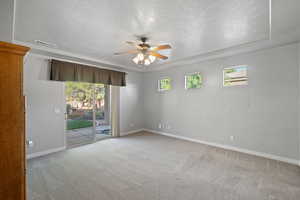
(46, 127)
(6, 20)
(262, 116)
(43, 125)
(131, 104)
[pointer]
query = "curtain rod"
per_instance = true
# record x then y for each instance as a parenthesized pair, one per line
(50, 58)
(81, 63)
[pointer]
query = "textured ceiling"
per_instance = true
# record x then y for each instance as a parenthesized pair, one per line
(98, 28)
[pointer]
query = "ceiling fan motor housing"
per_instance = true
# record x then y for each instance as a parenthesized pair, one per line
(144, 45)
(144, 39)
(145, 53)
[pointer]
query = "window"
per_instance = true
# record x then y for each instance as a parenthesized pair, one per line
(235, 76)
(164, 84)
(193, 81)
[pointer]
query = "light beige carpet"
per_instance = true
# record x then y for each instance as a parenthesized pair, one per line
(145, 166)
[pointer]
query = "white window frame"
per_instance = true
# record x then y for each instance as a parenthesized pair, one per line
(158, 85)
(233, 67)
(189, 74)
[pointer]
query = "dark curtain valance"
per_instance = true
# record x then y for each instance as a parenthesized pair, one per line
(66, 71)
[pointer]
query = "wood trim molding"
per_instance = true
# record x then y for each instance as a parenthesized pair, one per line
(13, 48)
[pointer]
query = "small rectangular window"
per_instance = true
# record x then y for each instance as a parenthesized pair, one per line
(164, 84)
(236, 75)
(193, 81)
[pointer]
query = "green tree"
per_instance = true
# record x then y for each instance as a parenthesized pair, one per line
(165, 84)
(194, 81)
(83, 92)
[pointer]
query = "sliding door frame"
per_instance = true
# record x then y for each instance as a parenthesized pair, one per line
(107, 112)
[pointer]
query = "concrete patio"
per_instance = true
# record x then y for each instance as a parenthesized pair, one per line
(82, 136)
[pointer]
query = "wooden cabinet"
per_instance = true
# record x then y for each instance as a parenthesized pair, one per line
(12, 134)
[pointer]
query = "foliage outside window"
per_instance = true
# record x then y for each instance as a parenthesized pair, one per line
(193, 81)
(164, 84)
(82, 98)
(235, 76)
(81, 95)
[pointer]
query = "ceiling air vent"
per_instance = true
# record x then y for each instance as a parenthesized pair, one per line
(46, 44)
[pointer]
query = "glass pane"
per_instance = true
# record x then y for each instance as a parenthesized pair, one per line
(235, 76)
(193, 81)
(102, 111)
(165, 84)
(79, 100)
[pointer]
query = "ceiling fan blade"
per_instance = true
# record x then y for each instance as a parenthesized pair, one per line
(131, 43)
(158, 55)
(161, 47)
(127, 52)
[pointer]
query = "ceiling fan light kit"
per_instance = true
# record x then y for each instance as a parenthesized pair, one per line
(145, 54)
(142, 59)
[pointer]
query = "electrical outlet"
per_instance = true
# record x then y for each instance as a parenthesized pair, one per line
(231, 137)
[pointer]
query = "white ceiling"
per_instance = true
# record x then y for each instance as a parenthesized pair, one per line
(98, 28)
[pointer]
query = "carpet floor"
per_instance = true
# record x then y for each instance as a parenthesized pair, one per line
(146, 166)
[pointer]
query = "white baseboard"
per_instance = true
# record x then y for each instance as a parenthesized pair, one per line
(131, 132)
(228, 147)
(43, 153)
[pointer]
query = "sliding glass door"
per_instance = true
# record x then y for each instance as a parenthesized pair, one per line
(102, 112)
(87, 113)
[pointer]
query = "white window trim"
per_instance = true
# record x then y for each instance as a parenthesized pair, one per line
(233, 67)
(158, 84)
(189, 74)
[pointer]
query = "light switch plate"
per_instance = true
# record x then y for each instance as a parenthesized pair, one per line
(57, 110)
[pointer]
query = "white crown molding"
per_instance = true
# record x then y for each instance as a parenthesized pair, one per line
(276, 41)
(228, 147)
(61, 53)
(281, 40)
(227, 52)
(231, 51)
(270, 42)
(70, 60)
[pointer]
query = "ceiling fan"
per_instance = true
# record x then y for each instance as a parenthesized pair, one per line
(145, 54)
